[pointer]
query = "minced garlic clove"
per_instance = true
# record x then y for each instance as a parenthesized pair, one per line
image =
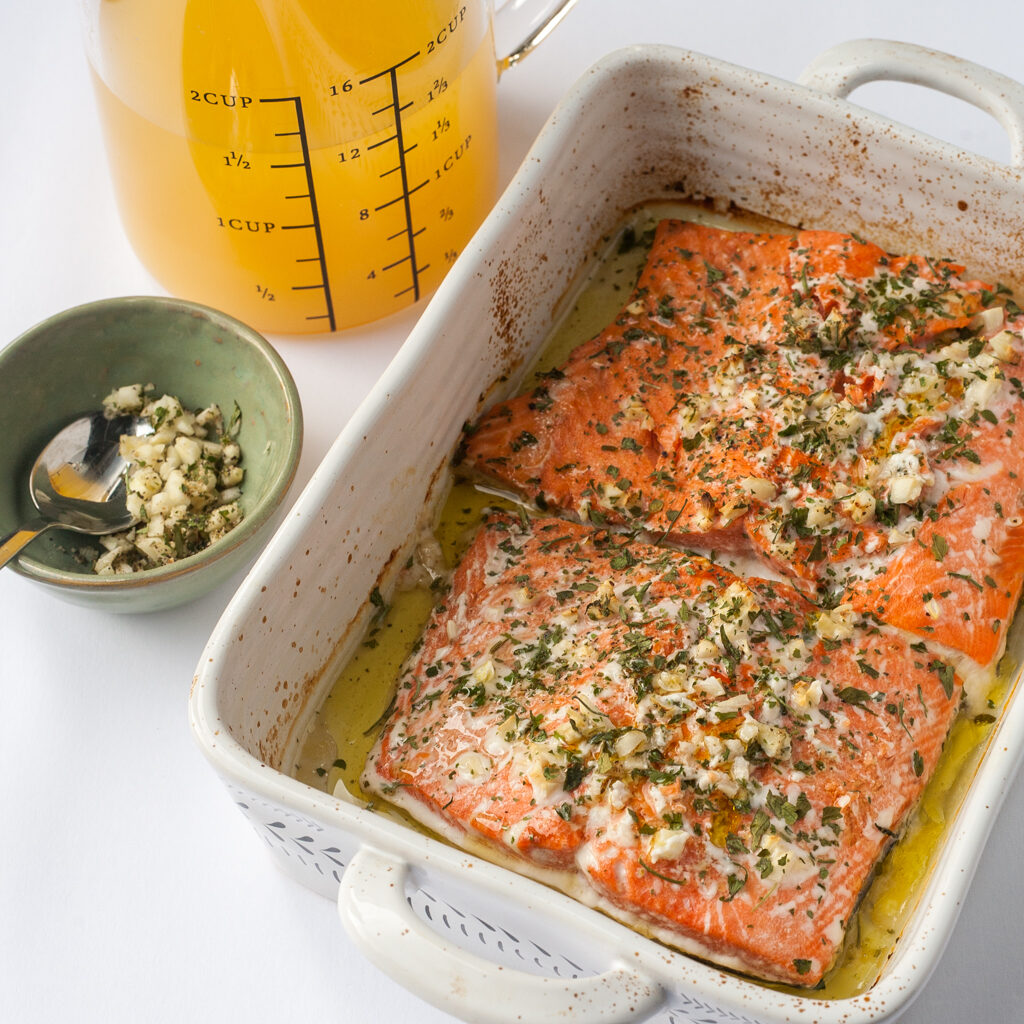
(988, 320)
(183, 481)
(1005, 346)
(758, 487)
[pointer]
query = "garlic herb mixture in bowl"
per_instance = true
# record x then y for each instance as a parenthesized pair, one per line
(205, 511)
(184, 480)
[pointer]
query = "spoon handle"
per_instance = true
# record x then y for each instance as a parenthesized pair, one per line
(14, 542)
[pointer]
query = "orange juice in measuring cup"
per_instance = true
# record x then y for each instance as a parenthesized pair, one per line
(304, 165)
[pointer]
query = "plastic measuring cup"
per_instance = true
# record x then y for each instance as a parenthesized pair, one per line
(304, 165)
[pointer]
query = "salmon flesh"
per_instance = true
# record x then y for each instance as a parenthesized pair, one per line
(721, 758)
(846, 416)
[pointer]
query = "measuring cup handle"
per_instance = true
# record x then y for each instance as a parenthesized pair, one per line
(549, 14)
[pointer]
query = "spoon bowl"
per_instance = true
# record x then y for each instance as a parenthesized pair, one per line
(78, 481)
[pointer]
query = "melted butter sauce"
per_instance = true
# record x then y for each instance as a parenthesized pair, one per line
(345, 727)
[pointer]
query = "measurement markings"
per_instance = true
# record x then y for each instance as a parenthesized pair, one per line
(396, 108)
(401, 199)
(398, 234)
(393, 104)
(391, 107)
(300, 133)
(397, 167)
(405, 259)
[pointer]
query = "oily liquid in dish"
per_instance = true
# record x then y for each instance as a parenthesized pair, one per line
(342, 724)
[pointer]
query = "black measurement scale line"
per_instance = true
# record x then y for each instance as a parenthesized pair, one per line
(311, 196)
(404, 259)
(398, 234)
(406, 193)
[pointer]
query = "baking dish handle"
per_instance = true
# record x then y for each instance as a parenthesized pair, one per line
(845, 67)
(377, 915)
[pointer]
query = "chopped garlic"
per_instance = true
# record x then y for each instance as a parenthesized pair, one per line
(630, 742)
(858, 505)
(773, 740)
(1004, 345)
(835, 624)
(757, 487)
(473, 766)
(667, 844)
(183, 482)
(844, 421)
(988, 320)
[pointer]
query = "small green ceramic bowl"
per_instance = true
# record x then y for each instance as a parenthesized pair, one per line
(64, 367)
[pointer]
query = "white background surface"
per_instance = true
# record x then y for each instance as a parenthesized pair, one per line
(131, 889)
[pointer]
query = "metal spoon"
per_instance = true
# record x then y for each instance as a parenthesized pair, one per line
(78, 481)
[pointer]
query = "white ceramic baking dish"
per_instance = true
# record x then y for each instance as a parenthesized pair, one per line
(646, 123)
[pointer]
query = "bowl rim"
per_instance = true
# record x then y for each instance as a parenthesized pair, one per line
(279, 483)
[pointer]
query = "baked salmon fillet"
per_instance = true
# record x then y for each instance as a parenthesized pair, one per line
(711, 759)
(847, 416)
